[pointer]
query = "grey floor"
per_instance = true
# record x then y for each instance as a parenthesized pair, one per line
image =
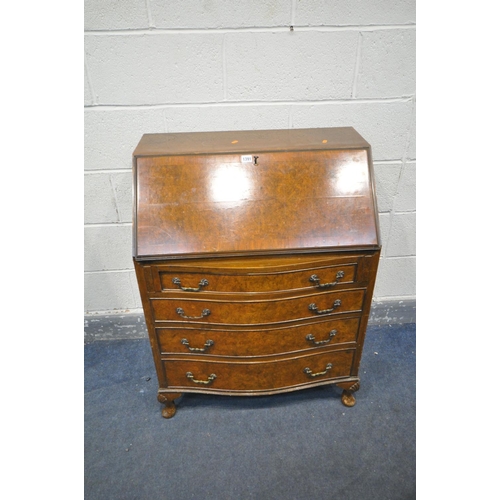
(302, 445)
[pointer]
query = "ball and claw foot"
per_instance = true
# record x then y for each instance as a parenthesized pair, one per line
(168, 401)
(347, 397)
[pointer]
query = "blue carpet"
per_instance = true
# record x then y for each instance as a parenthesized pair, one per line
(302, 445)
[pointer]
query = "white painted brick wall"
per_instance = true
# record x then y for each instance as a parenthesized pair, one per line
(384, 124)
(387, 64)
(109, 134)
(387, 176)
(219, 13)
(115, 14)
(107, 197)
(152, 68)
(280, 66)
(354, 12)
(198, 65)
(112, 245)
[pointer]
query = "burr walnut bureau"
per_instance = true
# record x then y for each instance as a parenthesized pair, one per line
(256, 254)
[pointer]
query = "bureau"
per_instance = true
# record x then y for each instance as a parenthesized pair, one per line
(256, 254)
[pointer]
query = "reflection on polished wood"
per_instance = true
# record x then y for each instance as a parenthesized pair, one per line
(214, 204)
(256, 254)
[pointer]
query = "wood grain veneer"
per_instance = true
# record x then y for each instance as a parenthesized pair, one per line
(256, 254)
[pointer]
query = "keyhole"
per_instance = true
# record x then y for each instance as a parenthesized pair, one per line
(255, 160)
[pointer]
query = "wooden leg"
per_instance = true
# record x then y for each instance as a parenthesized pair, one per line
(168, 400)
(347, 397)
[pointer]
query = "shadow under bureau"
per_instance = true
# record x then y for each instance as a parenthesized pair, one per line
(256, 254)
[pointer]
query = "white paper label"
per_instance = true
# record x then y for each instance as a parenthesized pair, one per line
(246, 159)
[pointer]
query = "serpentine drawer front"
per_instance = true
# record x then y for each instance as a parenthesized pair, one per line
(256, 254)
(260, 276)
(241, 310)
(249, 377)
(257, 341)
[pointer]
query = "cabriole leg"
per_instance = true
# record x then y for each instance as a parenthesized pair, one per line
(347, 397)
(168, 400)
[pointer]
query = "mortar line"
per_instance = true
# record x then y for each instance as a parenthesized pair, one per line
(115, 198)
(387, 162)
(106, 224)
(150, 15)
(387, 298)
(411, 129)
(292, 13)
(89, 80)
(268, 29)
(224, 67)
(391, 213)
(404, 159)
(107, 271)
(392, 257)
(357, 65)
(109, 171)
(383, 100)
(408, 135)
(400, 212)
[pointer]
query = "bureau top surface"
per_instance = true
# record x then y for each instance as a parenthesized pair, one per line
(205, 194)
(248, 141)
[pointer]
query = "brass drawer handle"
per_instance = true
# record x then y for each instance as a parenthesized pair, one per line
(208, 343)
(180, 312)
(311, 338)
(313, 307)
(314, 279)
(210, 379)
(201, 284)
(309, 373)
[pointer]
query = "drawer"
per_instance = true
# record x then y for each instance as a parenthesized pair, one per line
(256, 275)
(246, 376)
(244, 311)
(257, 342)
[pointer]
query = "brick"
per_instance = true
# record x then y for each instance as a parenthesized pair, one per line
(234, 117)
(384, 125)
(99, 200)
(386, 182)
(286, 65)
(155, 69)
(354, 12)
(388, 64)
(220, 14)
(396, 277)
(108, 197)
(115, 14)
(109, 291)
(108, 247)
(123, 186)
(406, 197)
(402, 238)
(112, 135)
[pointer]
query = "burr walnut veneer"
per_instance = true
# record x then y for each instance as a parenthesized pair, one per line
(256, 254)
